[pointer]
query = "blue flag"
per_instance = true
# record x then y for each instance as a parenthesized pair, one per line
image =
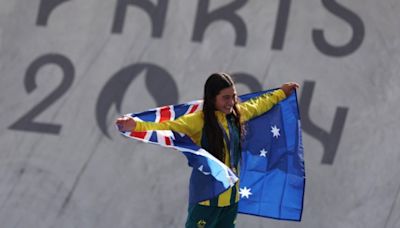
(272, 176)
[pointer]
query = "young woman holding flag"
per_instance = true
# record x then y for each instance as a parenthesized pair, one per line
(218, 128)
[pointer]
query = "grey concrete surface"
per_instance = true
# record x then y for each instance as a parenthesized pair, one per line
(68, 68)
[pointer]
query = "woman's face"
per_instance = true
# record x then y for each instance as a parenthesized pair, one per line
(226, 99)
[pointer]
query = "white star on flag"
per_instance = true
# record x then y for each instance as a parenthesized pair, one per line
(275, 131)
(245, 192)
(263, 153)
(204, 172)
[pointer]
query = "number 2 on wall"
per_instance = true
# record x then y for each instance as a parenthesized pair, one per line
(26, 122)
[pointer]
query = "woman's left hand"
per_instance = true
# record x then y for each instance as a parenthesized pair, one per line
(288, 87)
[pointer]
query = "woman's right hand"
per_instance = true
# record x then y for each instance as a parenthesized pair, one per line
(125, 123)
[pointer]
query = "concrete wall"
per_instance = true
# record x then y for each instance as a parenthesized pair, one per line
(68, 68)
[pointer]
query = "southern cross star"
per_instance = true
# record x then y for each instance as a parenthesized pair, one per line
(263, 153)
(275, 131)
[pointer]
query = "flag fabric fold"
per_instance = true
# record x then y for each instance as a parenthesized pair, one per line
(272, 176)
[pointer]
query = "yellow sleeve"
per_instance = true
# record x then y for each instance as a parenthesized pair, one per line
(188, 124)
(259, 105)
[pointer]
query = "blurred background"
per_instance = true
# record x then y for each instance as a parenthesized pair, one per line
(69, 68)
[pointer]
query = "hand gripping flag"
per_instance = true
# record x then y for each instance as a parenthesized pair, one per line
(272, 177)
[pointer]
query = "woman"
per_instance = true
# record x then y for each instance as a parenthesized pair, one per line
(218, 128)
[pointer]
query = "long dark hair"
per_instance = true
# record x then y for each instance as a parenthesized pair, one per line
(213, 133)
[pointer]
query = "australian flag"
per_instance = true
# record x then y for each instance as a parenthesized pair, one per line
(272, 176)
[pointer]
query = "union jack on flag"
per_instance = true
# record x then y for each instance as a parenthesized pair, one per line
(272, 176)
